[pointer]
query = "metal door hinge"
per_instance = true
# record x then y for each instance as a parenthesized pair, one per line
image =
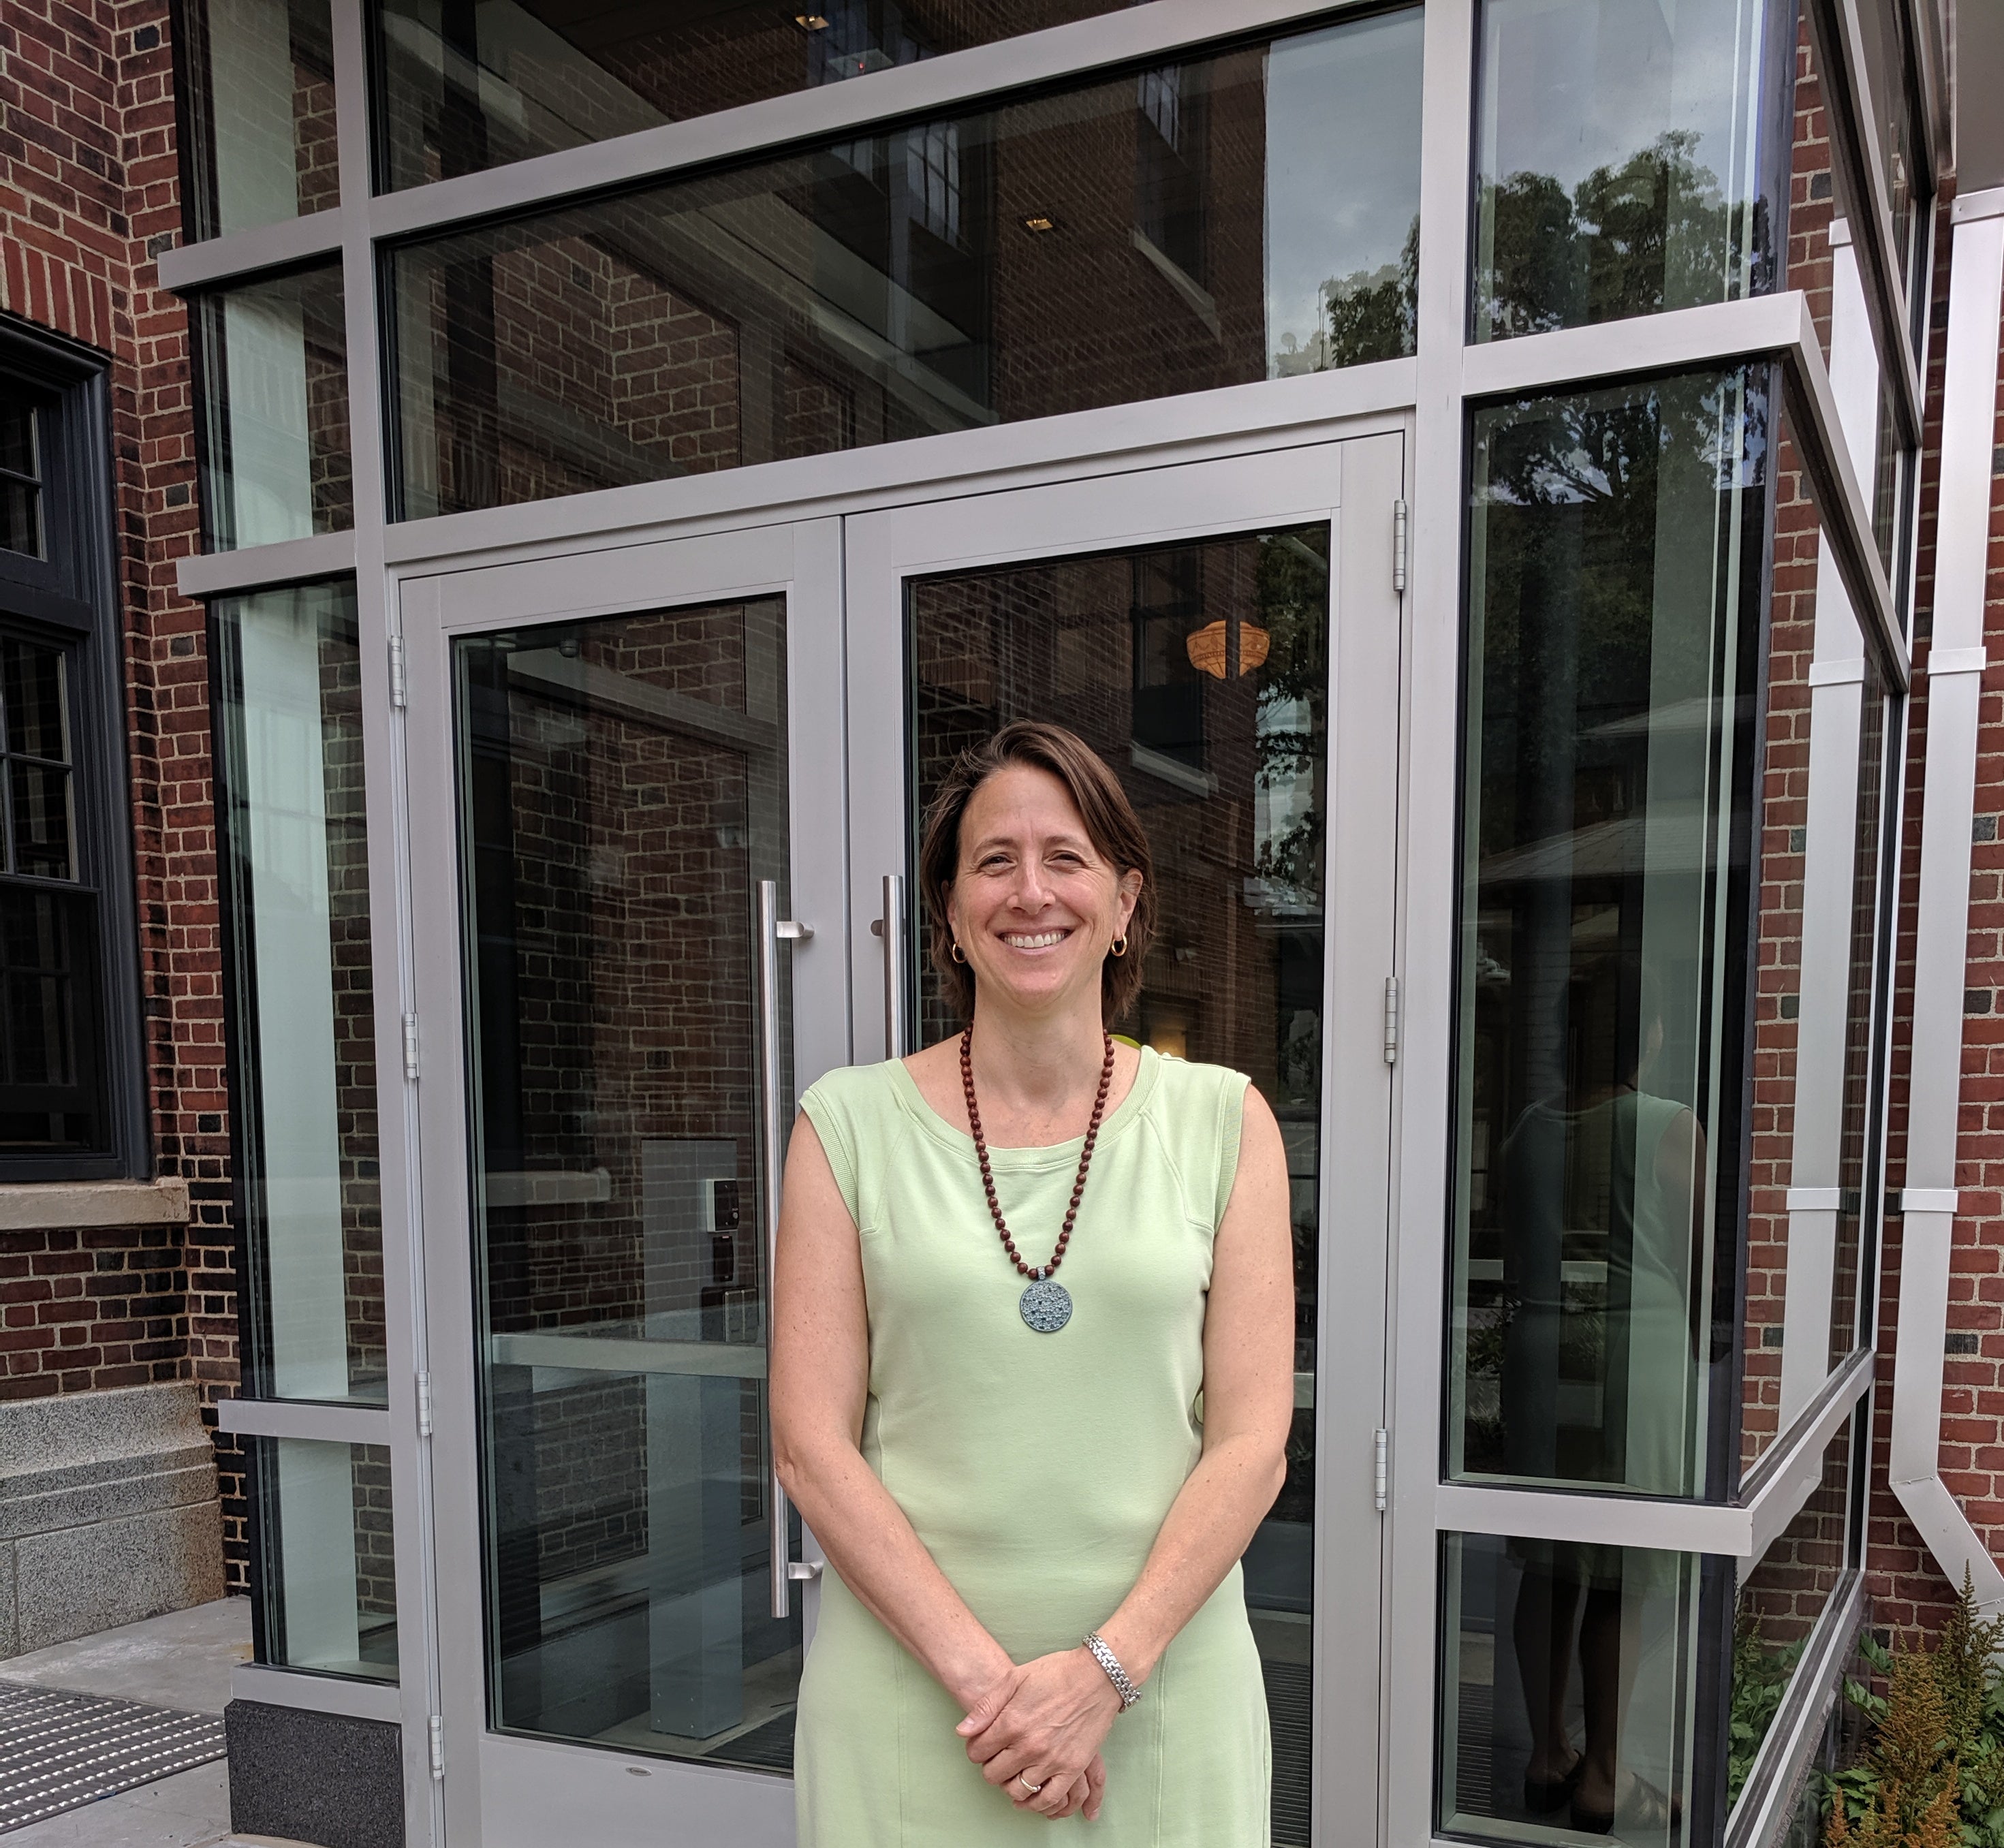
(1399, 547)
(399, 691)
(437, 1731)
(1391, 1020)
(424, 1405)
(411, 1047)
(1380, 1467)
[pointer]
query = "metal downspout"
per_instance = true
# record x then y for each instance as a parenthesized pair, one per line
(1941, 946)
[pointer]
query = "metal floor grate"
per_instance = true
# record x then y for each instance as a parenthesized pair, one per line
(1290, 1708)
(58, 1751)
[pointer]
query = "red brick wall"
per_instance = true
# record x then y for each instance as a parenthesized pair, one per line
(88, 193)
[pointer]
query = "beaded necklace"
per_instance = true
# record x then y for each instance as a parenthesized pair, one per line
(1046, 1306)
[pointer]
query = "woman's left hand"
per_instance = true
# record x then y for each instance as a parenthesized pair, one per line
(1042, 1723)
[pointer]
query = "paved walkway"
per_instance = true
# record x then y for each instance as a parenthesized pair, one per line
(183, 1661)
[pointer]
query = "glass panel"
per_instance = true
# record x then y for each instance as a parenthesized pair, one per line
(20, 518)
(623, 789)
(296, 888)
(44, 842)
(274, 410)
(52, 1081)
(1559, 1653)
(20, 500)
(1621, 168)
(1616, 548)
(1200, 672)
(1894, 123)
(326, 1556)
(1889, 498)
(466, 88)
(36, 709)
(1232, 218)
(1781, 1595)
(260, 113)
(41, 834)
(18, 454)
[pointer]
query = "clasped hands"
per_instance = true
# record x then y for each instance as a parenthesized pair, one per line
(1043, 1722)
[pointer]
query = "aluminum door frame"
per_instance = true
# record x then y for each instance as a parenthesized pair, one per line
(506, 1790)
(1357, 485)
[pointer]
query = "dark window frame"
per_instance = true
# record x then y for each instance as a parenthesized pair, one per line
(70, 598)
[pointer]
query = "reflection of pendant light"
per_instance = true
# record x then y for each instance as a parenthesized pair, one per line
(1207, 647)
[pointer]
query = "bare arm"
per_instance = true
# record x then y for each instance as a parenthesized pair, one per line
(1047, 1718)
(820, 1380)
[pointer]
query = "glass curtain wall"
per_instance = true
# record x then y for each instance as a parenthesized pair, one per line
(296, 884)
(274, 430)
(257, 87)
(1246, 216)
(326, 1556)
(463, 89)
(294, 851)
(1624, 164)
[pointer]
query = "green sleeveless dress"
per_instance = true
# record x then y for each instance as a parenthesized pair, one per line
(1036, 1468)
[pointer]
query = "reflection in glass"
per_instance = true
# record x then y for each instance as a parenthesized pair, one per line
(1568, 1687)
(1781, 1596)
(1894, 125)
(327, 1579)
(296, 879)
(623, 789)
(274, 377)
(1615, 549)
(1623, 166)
(53, 1094)
(259, 78)
(467, 87)
(20, 478)
(1200, 672)
(1235, 217)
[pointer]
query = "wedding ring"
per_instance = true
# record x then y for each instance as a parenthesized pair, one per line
(1033, 1789)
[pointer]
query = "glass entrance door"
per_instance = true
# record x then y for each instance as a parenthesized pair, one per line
(649, 964)
(1226, 636)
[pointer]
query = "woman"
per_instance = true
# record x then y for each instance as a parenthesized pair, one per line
(1009, 1266)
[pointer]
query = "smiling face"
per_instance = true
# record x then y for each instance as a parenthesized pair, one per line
(1034, 904)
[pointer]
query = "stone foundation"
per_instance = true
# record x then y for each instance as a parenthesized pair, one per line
(108, 1512)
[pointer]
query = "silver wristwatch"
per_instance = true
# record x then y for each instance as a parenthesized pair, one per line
(1107, 1660)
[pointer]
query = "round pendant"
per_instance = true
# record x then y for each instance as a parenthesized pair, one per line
(1046, 1305)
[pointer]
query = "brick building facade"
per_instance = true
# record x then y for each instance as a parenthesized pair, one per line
(90, 196)
(1063, 245)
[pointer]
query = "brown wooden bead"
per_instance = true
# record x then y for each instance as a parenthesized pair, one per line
(987, 1172)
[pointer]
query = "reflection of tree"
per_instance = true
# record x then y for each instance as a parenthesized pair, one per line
(1616, 534)
(1291, 592)
(1373, 315)
(1656, 231)
(1368, 314)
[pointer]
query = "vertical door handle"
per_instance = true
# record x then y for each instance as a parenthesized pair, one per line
(891, 927)
(771, 929)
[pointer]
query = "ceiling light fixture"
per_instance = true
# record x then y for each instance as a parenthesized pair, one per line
(1038, 223)
(811, 22)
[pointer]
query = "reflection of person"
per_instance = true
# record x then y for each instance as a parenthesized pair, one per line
(1629, 1420)
(990, 1488)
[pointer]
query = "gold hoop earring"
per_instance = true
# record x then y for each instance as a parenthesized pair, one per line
(1119, 946)
(959, 955)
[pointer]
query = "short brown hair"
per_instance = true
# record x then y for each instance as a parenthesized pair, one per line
(1111, 825)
